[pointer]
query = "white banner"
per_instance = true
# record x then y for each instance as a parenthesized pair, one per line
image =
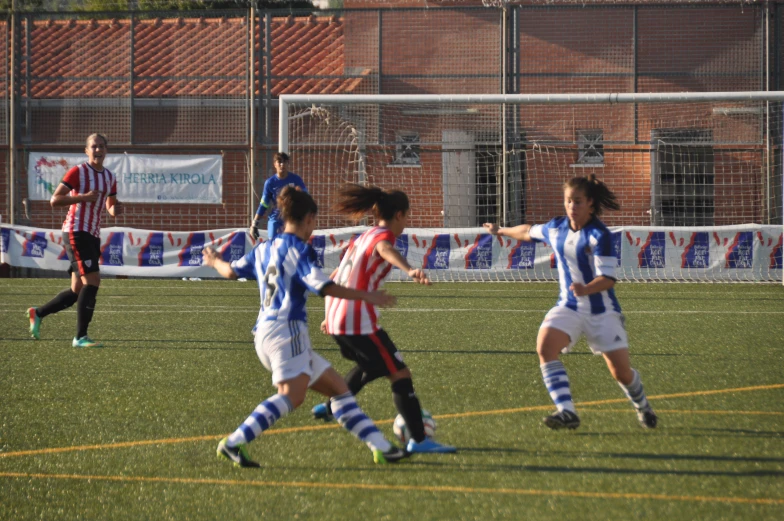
(724, 253)
(141, 178)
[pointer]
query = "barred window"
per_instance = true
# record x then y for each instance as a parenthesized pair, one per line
(407, 149)
(590, 147)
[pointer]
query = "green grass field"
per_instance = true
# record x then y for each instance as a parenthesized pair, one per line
(129, 431)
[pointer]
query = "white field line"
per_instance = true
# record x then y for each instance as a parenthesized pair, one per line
(185, 308)
(467, 291)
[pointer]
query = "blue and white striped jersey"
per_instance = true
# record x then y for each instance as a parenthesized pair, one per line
(287, 269)
(582, 256)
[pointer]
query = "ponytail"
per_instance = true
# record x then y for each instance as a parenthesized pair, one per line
(356, 200)
(294, 204)
(603, 198)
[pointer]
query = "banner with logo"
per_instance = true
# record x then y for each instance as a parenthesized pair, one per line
(728, 253)
(141, 178)
(127, 251)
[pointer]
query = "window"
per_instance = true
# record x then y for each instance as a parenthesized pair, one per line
(682, 177)
(407, 149)
(590, 147)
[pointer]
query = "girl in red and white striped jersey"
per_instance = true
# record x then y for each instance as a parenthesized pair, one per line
(354, 324)
(86, 189)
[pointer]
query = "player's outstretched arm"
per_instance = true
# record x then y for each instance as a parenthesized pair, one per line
(377, 298)
(392, 256)
(519, 232)
(213, 259)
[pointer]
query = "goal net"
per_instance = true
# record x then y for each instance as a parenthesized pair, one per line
(698, 176)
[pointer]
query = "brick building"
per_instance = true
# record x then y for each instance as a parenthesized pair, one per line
(183, 85)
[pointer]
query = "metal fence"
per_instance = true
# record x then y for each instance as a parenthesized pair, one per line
(176, 82)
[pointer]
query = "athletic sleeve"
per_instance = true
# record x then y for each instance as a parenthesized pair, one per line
(309, 272)
(71, 178)
(387, 235)
(604, 260)
(541, 232)
(267, 196)
(301, 185)
(245, 267)
(113, 188)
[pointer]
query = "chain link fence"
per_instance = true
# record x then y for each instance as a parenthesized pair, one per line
(205, 78)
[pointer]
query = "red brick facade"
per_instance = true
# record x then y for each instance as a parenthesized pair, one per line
(572, 49)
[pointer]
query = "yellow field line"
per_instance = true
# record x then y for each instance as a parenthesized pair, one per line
(397, 488)
(676, 411)
(611, 401)
(164, 441)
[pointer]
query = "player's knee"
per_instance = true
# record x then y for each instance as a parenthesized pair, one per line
(402, 374)
(547, 352)
(403, 387)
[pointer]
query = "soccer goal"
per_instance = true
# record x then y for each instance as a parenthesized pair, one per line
(698, 176)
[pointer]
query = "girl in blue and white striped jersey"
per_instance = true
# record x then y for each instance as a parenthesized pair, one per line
(586, 304)
(287, 270)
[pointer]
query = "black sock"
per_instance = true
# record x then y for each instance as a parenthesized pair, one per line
(85, 307)
(356, 379)
(64, 299)
(407, 405)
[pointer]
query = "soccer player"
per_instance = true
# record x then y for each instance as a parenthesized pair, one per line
(286, 269)
(85, 189)
(272, 188)
(354, 325)
(587, 304)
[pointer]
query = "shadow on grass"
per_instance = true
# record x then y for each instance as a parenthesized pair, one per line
(179, 344)
(722, 433)
(468, 467)
(628, 455)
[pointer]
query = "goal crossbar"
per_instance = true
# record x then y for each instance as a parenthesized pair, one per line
(513, 99)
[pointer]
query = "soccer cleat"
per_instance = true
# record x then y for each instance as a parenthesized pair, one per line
(428, 446)
(35, 323)
(647, 418)
(393, 455)
(85, 342)
(562, 420)
(238, 454)
(322, 411)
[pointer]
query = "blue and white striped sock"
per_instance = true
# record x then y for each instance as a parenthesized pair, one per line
(635, 392)
(262, 418)
(557, 383)
(350, 416)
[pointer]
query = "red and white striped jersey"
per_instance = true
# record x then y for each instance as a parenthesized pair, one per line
(86, 217)
(364, 269)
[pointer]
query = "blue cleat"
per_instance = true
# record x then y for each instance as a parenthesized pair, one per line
(322, 411)
(429, 446)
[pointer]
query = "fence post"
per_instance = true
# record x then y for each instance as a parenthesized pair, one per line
(252, 106)
(11, 121)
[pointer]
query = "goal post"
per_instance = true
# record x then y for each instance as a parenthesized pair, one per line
(697, 174)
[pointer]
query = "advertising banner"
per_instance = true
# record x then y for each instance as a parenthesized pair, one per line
(141, 178)
(726, 253)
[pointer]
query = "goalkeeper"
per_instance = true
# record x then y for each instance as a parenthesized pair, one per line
(273, 187)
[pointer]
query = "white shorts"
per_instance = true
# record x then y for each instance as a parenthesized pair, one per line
(604, 332)
(284, 349)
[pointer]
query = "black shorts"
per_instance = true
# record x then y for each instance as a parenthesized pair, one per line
(83, 250)
(375, 354)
